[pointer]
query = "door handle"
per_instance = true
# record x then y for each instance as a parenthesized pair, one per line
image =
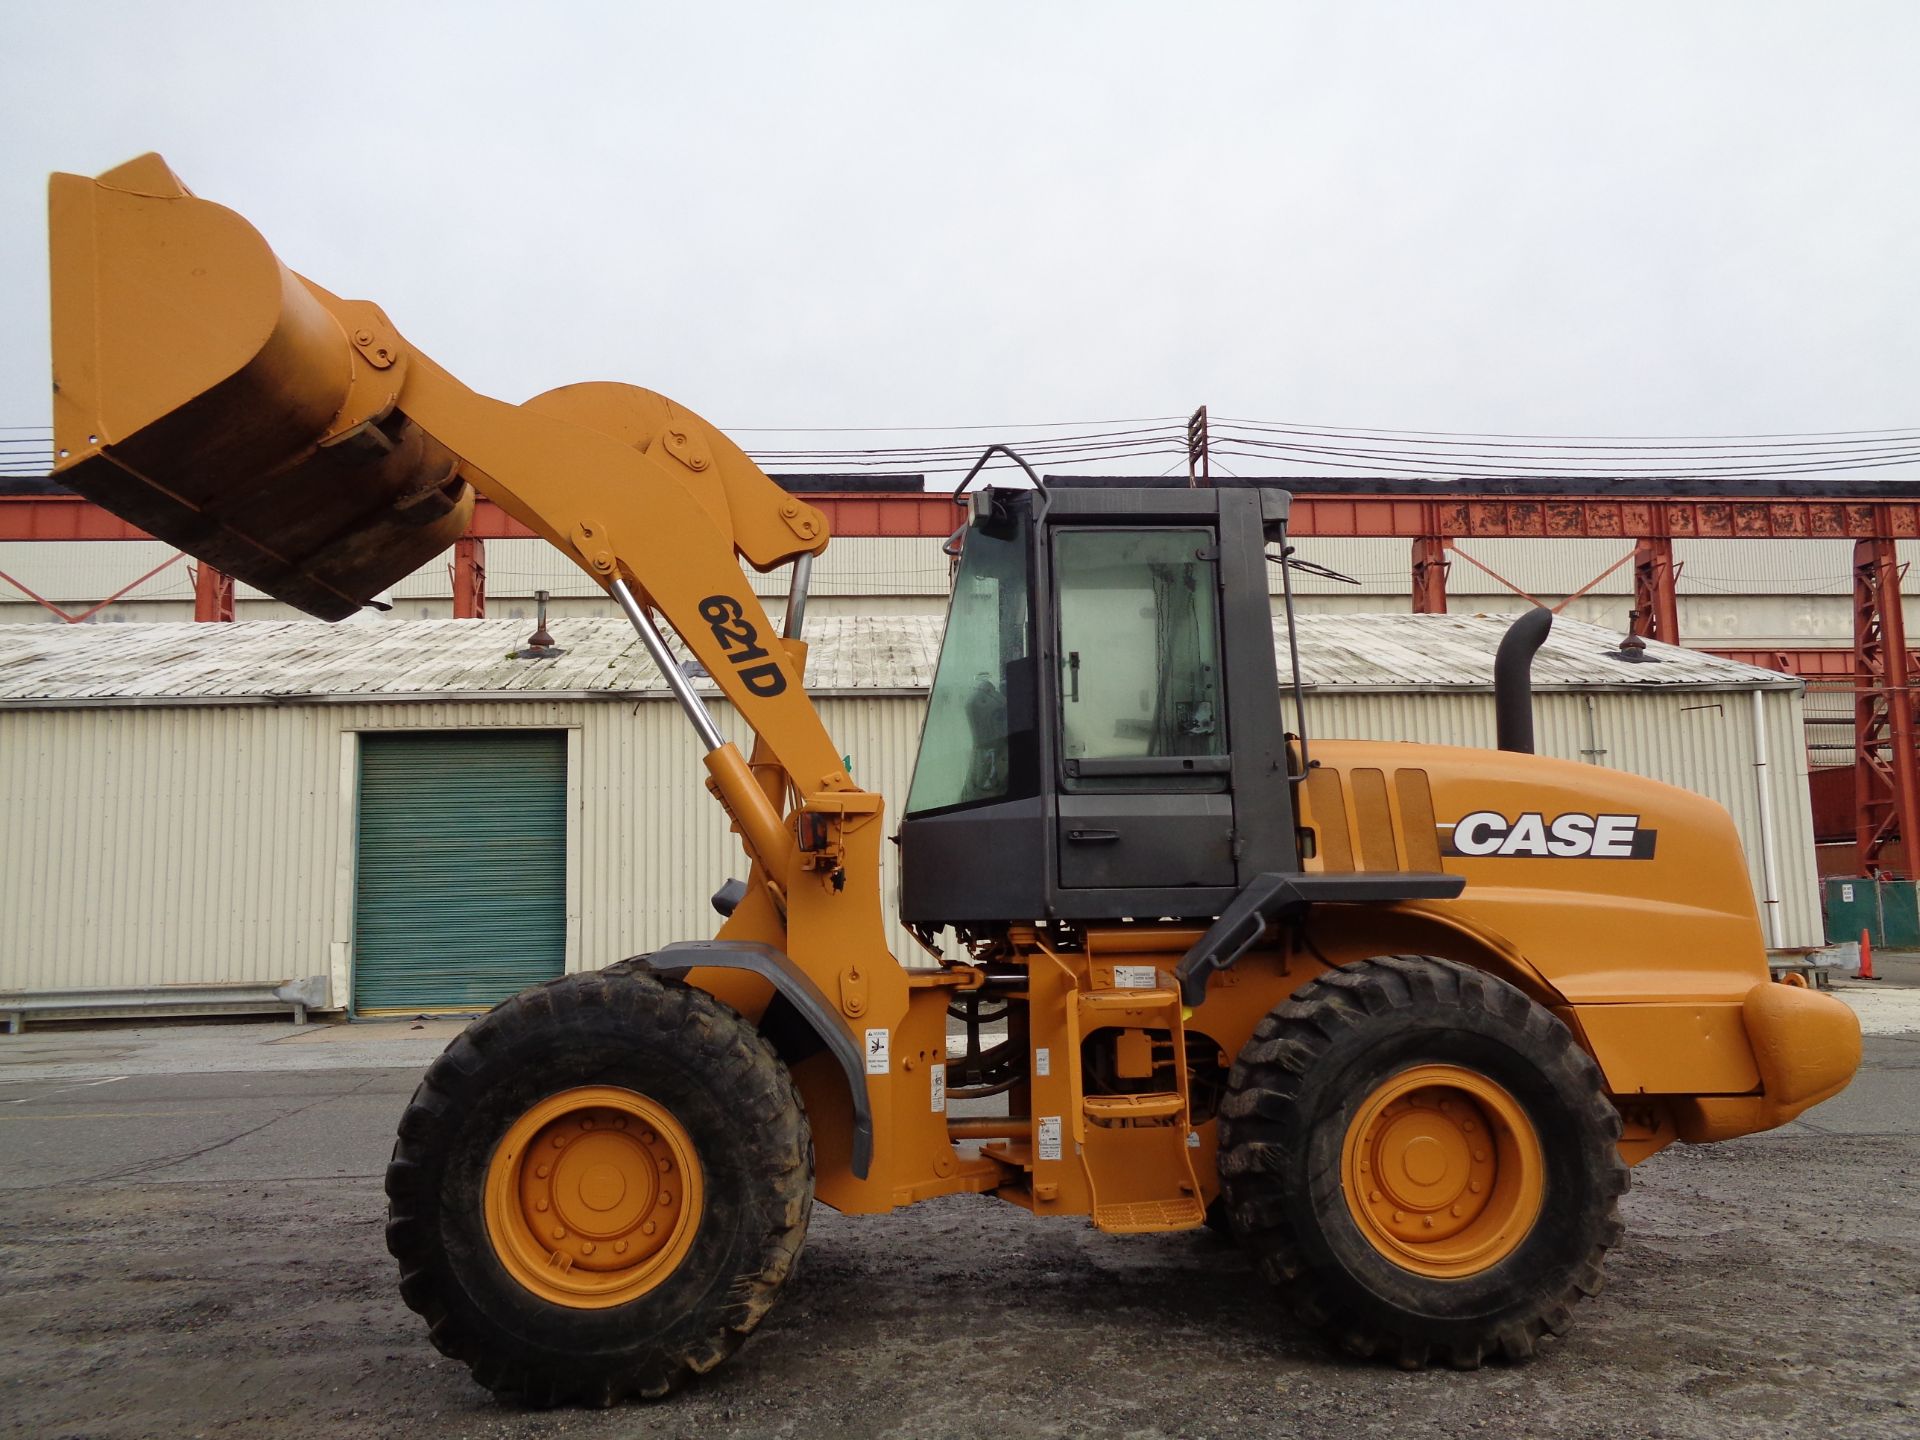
(1094, 837)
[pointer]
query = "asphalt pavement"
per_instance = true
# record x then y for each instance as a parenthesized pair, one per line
(190, 1244)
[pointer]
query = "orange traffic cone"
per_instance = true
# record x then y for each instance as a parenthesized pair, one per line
(1866, 958)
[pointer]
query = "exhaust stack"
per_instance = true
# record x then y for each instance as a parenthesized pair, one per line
(1513, 679)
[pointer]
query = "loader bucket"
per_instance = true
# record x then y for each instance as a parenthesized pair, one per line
(202, 392)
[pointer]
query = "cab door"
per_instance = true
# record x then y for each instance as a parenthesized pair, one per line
(1144, 769)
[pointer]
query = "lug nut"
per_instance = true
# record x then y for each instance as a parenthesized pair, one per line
(647, 1229)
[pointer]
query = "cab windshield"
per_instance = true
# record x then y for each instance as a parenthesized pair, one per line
(979, 741)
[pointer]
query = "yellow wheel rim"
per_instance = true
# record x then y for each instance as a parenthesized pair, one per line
(593, 1197)
(1443, 1171)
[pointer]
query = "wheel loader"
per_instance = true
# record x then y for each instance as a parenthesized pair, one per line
(1399, 1017)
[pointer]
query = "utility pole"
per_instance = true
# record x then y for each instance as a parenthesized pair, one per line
(1199, 472)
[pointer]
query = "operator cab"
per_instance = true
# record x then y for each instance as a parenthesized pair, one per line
(1104, 735)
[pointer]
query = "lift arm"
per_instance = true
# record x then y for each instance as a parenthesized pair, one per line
(300, 442)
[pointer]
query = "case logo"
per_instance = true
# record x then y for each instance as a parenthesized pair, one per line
(1565, 837)
(738, 637)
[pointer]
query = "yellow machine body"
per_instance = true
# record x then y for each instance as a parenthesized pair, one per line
(300, 442)
(1661, 972)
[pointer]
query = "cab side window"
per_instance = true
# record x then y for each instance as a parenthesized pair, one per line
(1139, 646)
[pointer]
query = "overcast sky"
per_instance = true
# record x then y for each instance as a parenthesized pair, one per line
(1601, 219)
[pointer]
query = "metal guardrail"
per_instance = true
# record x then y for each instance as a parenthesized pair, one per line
(139, 1001)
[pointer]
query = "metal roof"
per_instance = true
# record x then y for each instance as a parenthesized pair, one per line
(1455, 652)
(272, 661)
(373, 660)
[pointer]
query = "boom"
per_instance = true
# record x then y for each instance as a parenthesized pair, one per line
(300, 442)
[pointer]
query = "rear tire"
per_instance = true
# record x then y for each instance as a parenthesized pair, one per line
(1424, 1159)
(580, 1072)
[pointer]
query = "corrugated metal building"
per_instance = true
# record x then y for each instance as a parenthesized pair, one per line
(232, 802)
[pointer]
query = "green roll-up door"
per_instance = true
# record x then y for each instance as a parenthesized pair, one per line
(461, 872)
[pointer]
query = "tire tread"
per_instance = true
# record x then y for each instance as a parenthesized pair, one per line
(1263, 1135)
(662, 1012)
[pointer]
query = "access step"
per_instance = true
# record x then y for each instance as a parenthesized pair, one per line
(1151, 1105)
(1124, 1007)
(1146, 1217)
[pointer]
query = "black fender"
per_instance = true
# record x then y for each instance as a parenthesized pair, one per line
(1269, 896)
(808, 1001)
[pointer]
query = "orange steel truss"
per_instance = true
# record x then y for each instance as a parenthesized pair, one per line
(1886, 775)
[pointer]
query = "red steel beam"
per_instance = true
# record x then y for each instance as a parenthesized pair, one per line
(1656, 603)
(490, 522)
(1886, 769)
(889, 514)
(1429, 575)
(1831, 663)
(67, 517)
(470, 578)
(1491, 517)
(212, 594)
(61, 517)
(1512, 517)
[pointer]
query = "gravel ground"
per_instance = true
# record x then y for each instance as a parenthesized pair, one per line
(201, 1255)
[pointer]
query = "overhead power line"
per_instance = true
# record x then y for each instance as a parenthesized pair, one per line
(1525, 435)
(1285, 448)
(924, 429)
(1377, 437)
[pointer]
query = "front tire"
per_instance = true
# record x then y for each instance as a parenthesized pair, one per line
(598, 1189)
(1425, 1159)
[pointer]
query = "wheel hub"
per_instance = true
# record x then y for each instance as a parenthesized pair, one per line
(1442, 1171)
(593, 1196)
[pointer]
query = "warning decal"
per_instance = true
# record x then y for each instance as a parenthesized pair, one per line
(1047, 1132)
